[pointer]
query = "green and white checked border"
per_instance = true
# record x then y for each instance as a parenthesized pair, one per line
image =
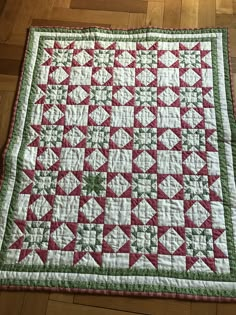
(96, 279)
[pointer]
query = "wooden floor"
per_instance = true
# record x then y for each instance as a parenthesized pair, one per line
(15, 17)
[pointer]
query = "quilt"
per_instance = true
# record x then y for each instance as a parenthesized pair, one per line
(119, 172)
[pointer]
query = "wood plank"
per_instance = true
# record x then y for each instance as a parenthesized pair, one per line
(13, 52)
(137, 20)
(140, 304)
(62, 3)
(224, 7)
(90, 16)
(232, 42)
(131, 6)
(189, 14)
(172, 11)
(8, 15)
(199, 308)
(10, 67)
(233, 63)
(2, 5)
(29, 10)
(42, 22)
(234, 84)
(23, 19)
(128, 304)
(226, 309)
(43, 8)
(121, 25)
(155, 14)
(8, 82)
(73, 309)
(35, 303)
(62, 297)
(206, 13)
(10, 302)
(226, 20)
(6, 105)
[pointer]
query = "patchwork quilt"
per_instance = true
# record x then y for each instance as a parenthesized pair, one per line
(119, 174)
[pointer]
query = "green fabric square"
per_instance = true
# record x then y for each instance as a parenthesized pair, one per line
(145, 96)
(196, 187)
(45, 182)
(56, 94)
(89, 238)
(190, 59)
(103, 58)
(101, 95)
(193, 140)
(191, 97)
(144, 239)
(94, 184)
(36, 235)
(62, 57)
(98, 137)
(146, 59)
(51, 136)
(199, 242)
(145, 138)
(144, 186)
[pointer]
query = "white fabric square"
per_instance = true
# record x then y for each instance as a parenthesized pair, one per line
(58, 257)
(29, 158)
(76, 115)
(12, 256)
(168, 117)
(118, 211)
(206, 45)
(115, 260)
(170, 212)
(68, 213)
(217, 215)
(213, 163)
(42, 74)
(85, 44)
(168, 77)
(222, 265)
(21, 204)
(126, 45)
(80, 76)
(122, 116)
(210, 118)
(72, 159)
(171, 262)
(124, 76)
(169, 162)
(37, 114)
(168, 45)
(207, 78)
(120, 161)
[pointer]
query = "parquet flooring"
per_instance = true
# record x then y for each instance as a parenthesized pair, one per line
(15, 17)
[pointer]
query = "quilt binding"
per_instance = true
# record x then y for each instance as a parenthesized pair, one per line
(182, 296)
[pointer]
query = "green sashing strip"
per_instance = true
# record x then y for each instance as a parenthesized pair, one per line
(104, 271)
(19, 172)
(232, 121)
(222, 158)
